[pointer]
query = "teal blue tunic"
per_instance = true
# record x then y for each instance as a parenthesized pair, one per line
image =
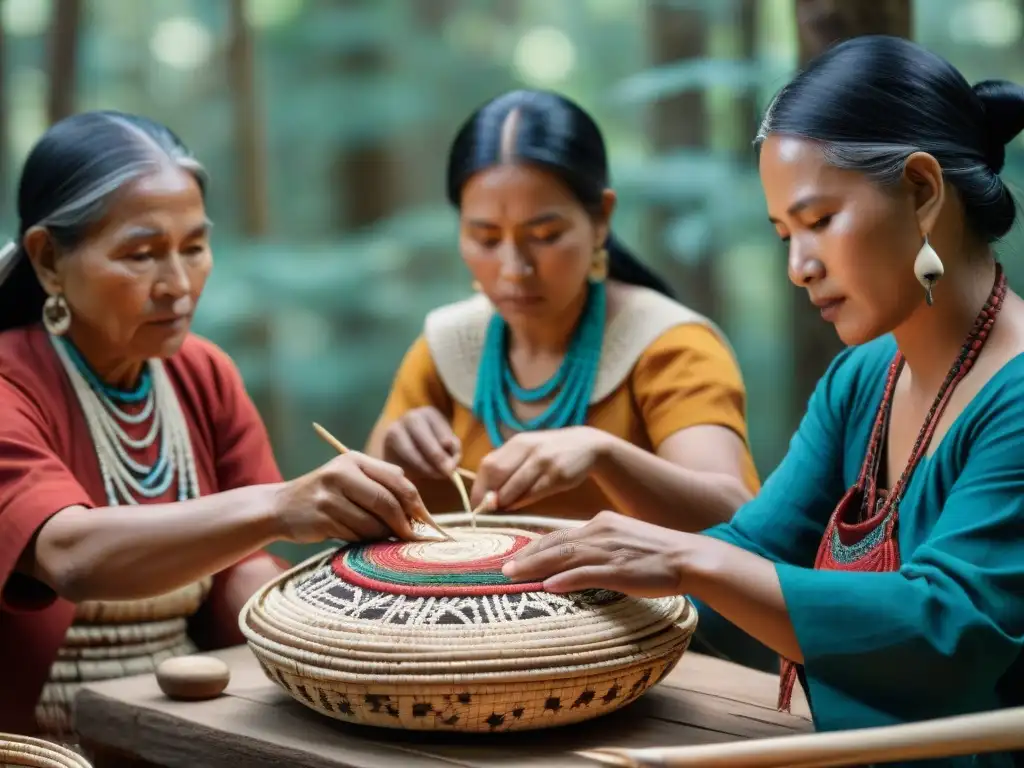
(944, 634)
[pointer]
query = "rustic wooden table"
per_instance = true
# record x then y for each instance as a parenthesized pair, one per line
(129, 723)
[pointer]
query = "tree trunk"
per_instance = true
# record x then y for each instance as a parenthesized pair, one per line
(821, 24)
(746, 102)
(680, 122)
(251, 158)
(364, 175)
(64, 60)
(252, 193)
(5, 153)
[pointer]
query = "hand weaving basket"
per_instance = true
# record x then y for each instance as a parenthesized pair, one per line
(25, 751)
(431, 636)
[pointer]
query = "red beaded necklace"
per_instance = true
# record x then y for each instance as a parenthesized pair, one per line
(861, 533)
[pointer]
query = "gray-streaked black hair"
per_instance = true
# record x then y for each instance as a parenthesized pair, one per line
(874, 100)
(66, 186)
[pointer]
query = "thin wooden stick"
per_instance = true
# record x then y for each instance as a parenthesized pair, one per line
(456, 476)
(487, 505)
(996, 731)
(461, 486)
(468, 474)
(340, 447)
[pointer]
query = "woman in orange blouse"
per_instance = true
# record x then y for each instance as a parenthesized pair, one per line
(573, 381)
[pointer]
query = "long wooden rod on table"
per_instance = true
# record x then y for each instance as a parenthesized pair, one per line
(997, 731)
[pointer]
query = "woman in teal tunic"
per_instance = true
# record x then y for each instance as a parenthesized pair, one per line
(883, 560)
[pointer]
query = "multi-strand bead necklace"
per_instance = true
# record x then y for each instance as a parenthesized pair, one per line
(110, 412)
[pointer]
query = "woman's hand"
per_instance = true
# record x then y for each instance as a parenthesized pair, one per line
(611, 552)
(352, 497)
(533, 465)
(422, 443)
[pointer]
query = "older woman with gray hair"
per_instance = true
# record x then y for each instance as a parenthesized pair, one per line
(137, 482)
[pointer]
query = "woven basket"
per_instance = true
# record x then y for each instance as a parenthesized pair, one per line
(94, 652)
(35, 753)
(431, 636)
(534, 523)
(181, 602)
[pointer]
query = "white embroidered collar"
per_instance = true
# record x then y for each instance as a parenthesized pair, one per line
(455, 335)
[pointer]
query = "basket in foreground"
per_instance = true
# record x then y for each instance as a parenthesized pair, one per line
(16, 750)
(431, 636)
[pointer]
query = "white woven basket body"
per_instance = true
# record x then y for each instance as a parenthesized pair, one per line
(28, 752)
(489, 661)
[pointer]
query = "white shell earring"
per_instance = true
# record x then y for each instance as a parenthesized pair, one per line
(928, 269)
(56, 315)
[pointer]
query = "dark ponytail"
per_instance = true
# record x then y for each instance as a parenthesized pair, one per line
(627, 268)
(557, 134)
(66, 185)
(21, 295)
(873, 101)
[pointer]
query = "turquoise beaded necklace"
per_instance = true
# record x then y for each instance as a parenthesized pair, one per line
(108, 392)
(573, 381)
(108, 408)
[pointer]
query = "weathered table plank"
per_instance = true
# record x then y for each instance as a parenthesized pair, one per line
(255, 724)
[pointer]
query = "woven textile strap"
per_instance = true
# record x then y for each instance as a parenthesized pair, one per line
(861, 534)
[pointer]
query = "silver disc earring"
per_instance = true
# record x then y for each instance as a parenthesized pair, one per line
(928, 269)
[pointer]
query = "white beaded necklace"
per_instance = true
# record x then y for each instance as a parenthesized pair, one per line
(121, 473)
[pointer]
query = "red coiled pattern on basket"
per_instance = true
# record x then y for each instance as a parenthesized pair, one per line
(470, 565)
